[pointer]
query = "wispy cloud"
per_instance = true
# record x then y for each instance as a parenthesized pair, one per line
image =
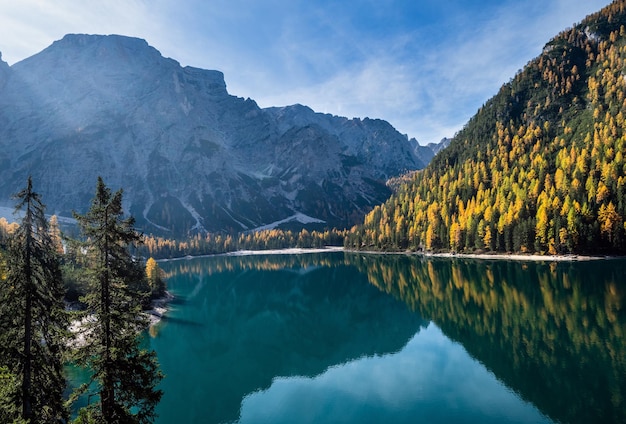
(425, 66)
(425, 84)
(29, 26)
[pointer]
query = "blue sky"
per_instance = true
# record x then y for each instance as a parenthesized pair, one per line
(426, 66)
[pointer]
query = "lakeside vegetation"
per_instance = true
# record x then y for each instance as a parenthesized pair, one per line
(211, 244)
(39, 273)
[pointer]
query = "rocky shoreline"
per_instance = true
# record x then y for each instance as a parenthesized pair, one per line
(155, 314)
(482, 256)
(493, 256)
(159, 308)
(519, 257)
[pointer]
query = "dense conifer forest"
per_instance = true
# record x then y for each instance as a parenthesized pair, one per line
(540, 168)
(40, 273)
(212, 243)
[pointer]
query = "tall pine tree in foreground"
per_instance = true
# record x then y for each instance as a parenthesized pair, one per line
(126, 375)
(33, 318)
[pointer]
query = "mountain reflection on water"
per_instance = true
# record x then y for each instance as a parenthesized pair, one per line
(369, 338)
(244, 321)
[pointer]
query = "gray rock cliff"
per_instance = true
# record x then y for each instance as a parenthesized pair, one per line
(189, 156)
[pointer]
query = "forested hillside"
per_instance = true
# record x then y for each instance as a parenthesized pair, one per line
(540, 167)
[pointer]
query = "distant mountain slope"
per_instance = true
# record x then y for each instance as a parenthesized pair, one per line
(189, 156)
(541, 166)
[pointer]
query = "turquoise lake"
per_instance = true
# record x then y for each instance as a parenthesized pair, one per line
(351, 338)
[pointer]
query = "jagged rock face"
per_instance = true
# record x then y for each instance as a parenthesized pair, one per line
(4, 72)
(188, 155)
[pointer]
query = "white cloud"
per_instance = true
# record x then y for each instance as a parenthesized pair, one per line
(29, 26)
(427, 80)
(431, 90)
(427, 88)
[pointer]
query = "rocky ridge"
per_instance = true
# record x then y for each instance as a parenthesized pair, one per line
(189, 156)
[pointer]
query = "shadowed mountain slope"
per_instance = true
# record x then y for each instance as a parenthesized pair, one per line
(188, 155)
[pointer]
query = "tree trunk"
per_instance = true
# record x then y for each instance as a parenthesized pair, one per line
(108, 383)
(27, 408)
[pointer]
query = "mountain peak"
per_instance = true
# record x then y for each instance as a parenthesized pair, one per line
(190, 156)
(83, 40)
(97, 52)
(105, 45)
(108, 55)
(4, 71)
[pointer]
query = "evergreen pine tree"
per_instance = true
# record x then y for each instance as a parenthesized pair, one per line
(33, 317)
(126, 375)
(8, 409)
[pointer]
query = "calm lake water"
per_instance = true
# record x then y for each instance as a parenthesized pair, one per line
(349, 338)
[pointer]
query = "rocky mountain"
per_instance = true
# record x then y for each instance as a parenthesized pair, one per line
(437, 147)
(188, 155)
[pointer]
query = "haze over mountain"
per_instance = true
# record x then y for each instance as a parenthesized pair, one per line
(188, 155)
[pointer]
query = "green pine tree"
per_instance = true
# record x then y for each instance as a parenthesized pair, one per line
(126, 375)
(33, 318)
(9, 412)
